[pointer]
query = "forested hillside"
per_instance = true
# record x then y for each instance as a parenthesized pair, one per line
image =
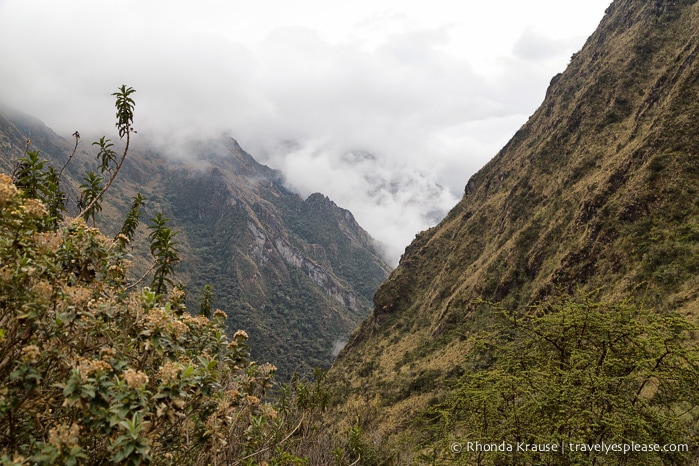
(297, 274)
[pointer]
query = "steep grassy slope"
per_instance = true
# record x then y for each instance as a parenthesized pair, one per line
(297, 274)
(598, 190)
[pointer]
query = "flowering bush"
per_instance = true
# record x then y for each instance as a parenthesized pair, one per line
(91, 373)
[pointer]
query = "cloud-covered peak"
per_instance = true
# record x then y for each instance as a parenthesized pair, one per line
(431, 90)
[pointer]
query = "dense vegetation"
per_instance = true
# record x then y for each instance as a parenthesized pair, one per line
(95, 369)
(577, 372)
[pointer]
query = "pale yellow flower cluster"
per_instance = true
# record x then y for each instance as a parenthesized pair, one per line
(87, 367)
(42, 288)
(121, 238)
(219, 313)
(179, 403)
(269, 412)
(78, 222)
(48, 242)
(96, 232)
(34, 208)
(178, 328)
(268, 368)
(107, 353)
(252, 400)
(135, 379)
(62, 435)
(169, 372)
(240, 334)
(176, 295)
(78, 295)
(159, 318)
(31, 353)
(116, 269)
(5, 274)
(8, 191)
(199, 321)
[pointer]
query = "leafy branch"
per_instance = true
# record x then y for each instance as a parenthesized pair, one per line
(163, 247)
(125, 106)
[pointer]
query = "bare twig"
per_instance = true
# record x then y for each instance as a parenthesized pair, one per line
(76, 135)
(268, 447)
(140, 279)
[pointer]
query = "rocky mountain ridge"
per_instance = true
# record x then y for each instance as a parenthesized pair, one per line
(297, 274)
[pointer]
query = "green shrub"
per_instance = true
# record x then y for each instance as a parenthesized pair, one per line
(90, 373)
(575, 371)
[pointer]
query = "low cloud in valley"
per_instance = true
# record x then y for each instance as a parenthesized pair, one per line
(386, 107)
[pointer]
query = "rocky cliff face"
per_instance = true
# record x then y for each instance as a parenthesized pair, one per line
(598, 191)
(298, 275)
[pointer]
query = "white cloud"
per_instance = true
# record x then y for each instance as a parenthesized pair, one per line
(431, 89)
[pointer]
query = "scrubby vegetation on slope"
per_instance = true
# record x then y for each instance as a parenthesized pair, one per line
(91, 373)
(95, 369)
(579, 372)
(596, 192)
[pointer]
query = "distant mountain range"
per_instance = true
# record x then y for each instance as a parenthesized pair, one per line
(298, 275)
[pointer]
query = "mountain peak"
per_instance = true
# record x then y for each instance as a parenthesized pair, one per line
(278, 264)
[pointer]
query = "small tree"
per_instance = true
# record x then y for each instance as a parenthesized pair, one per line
(29, 175)
(582, 372)
(40, 182)
(131, 222)
(206, 304)
(163, 247)
(90, 196)
(106, 156)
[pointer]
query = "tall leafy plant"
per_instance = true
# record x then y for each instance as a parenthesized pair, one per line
(131, 221)
(109, 162)
(163, 247)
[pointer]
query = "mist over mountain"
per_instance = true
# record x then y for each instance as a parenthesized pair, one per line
(554, 307)
(296, 274)
(432, 90)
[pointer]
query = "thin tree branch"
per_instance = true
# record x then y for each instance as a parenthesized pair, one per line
(141, 279)
(269, 446)
(111, 178)
(76, 135)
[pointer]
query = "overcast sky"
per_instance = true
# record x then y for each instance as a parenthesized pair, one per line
(387, 107)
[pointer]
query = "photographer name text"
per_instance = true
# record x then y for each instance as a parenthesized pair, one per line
(563, 447)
